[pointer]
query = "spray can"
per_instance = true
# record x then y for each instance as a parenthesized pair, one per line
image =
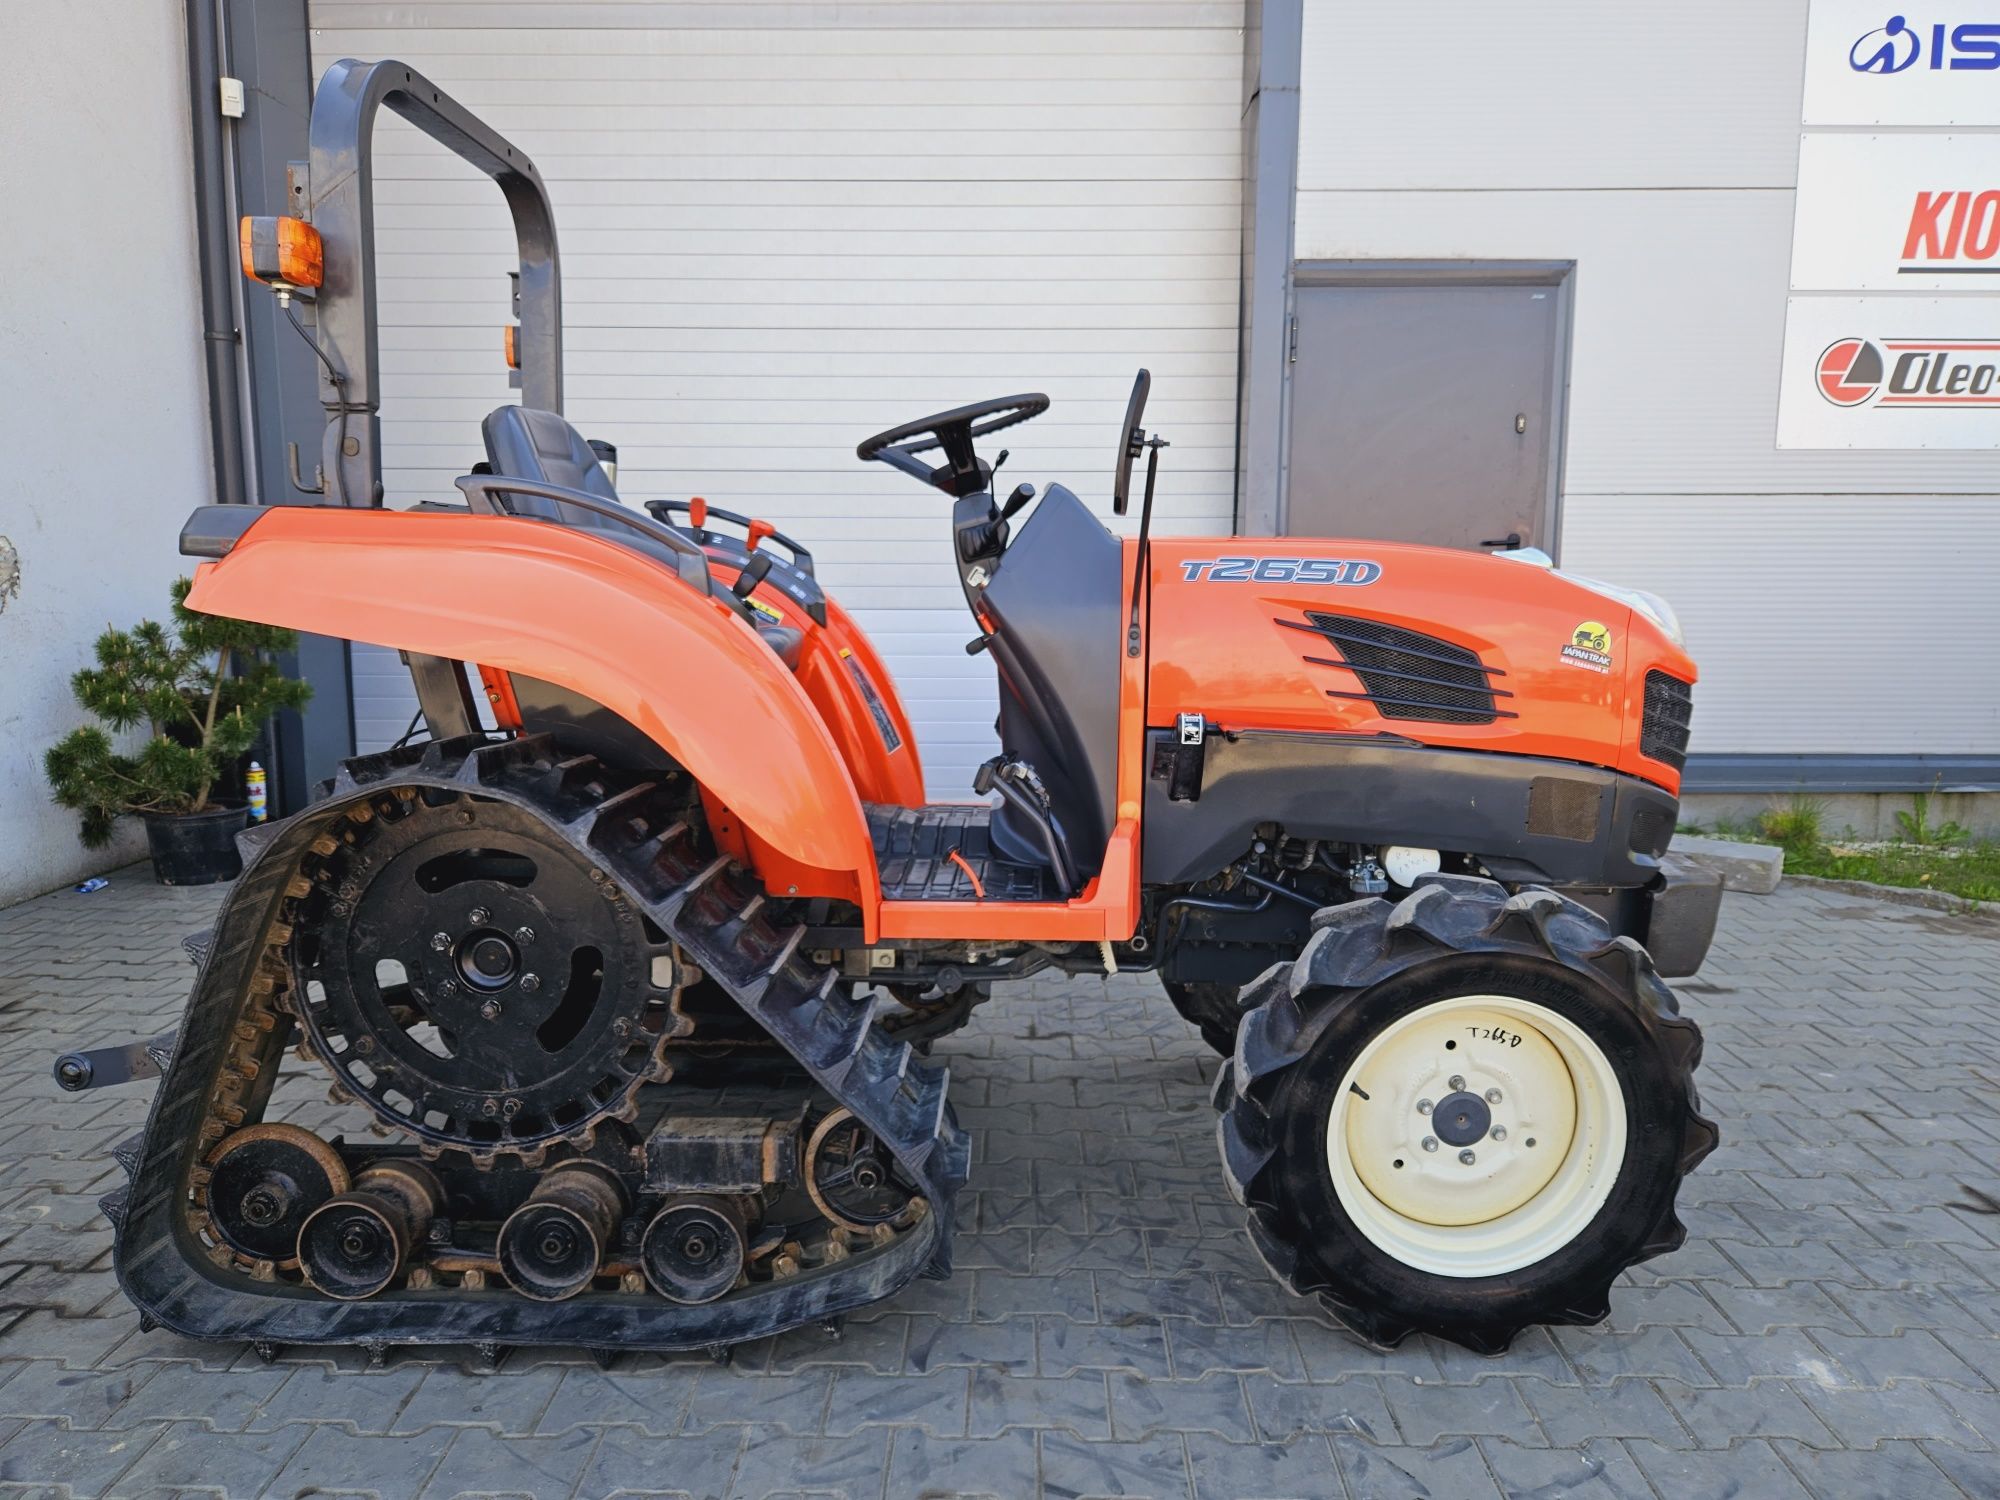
(254, 782)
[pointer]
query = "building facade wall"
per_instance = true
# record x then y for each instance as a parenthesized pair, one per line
(103, 404)
(1835, 600)
(778, 238)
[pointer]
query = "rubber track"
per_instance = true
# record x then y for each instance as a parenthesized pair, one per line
(631, 829)
(1363, 943)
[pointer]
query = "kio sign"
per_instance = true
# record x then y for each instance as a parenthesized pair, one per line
(1878, 62)
(1890, 372)
(1897, 213)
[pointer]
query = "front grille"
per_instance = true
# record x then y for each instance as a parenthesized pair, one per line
(1663, 728)
(1407, 675)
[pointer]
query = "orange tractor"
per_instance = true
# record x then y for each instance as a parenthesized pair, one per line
(627, 974)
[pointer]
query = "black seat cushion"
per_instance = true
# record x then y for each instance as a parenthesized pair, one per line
(525, 443)
(540, 445)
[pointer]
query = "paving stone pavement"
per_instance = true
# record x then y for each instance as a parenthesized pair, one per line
(1829, 1329)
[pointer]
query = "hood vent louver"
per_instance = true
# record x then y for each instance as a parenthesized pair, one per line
(1408, 675)
(1663, 729)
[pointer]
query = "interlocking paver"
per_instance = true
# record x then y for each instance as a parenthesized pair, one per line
(509, 1403)
(332, 1460)
(362, 1403)
(1831, 1328)
(1284, 1409)
(726, 1397)
(1895, 1471)
(1630, 1408)
(479, 1463)
(1750, 1468)
(935, 1402)
(829, 1468)
(939, 1343)
(922, 1467)
(227, 1399)
(81, 1463)
(1762, 1409)
(189, 1456)
(1428, 1414)
(685, 1468)
(1150, 1469)
(1455, 1467)
(1302, 1469)
(1078, 1402)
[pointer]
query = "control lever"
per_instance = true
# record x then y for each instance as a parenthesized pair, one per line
(1023, 493)
(754, 572)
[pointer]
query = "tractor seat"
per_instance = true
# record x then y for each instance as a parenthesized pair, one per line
(540, 445)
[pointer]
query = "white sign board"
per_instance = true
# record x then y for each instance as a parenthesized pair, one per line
(1890, 372)
(1880, 62)
(1897, 213)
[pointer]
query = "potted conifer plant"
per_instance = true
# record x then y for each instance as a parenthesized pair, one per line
(203, 689)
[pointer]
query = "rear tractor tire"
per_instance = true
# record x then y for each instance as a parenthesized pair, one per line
(1463, 1114)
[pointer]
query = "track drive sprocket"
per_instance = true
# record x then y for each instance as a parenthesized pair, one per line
(474, 982)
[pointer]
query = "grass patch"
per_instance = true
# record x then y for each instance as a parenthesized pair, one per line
(1929, 856)
(1971, 871)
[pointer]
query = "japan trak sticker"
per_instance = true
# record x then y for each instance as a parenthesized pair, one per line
(1589, 647)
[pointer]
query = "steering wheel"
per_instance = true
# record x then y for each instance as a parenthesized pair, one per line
(961, 473)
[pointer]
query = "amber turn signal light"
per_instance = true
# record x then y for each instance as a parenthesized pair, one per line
(280, 251)
(512, 345)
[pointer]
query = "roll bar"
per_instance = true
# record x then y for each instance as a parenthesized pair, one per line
(340, 203)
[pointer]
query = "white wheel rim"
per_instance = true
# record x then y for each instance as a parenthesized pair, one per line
(1536, 1076)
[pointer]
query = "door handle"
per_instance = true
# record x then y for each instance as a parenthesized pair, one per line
(1510, 541)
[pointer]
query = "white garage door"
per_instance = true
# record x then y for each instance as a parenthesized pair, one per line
(777, 239)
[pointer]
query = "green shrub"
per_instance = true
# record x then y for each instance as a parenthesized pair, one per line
(1796, 827)
(203, 688)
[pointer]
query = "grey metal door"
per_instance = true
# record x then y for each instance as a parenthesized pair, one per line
(1426, 413)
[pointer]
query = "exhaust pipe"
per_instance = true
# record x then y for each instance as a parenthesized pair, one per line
(353, 1246)
(552, 1246)
(695, 1248)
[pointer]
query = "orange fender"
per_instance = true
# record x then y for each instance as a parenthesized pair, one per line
(572, 608)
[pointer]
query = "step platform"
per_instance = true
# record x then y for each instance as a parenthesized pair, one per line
(913, 849)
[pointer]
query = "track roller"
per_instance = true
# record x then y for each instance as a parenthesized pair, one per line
(695, 1248)
(265, 1180)
(355, 1245)
(552, 1246)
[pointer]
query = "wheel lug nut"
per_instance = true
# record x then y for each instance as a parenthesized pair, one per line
(490, 1011)
(440, 941)
(531, 982)
(524, 935)
(1467, 1157)
(1499, 1132)
(1457, 1082)
(1430, 1143)
(1493, 1096)
(490, 1107)
(480, 916)
(1423, 1106)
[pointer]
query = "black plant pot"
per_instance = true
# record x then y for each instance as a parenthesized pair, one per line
(196, 848)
